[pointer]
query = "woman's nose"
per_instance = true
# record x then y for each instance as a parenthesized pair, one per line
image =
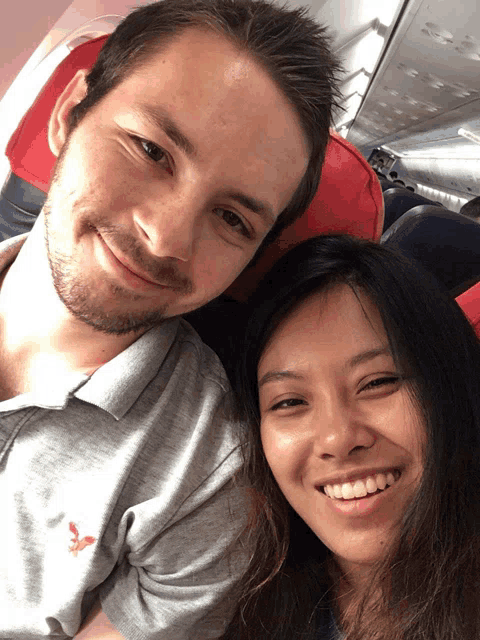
(339, 431)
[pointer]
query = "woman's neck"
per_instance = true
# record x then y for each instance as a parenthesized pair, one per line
(351, 584)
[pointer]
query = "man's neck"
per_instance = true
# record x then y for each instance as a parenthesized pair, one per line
(37, 330)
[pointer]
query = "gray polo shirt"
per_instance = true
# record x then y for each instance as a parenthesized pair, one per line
(120, 486)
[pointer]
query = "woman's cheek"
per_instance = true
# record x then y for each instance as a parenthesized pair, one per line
(285, 450)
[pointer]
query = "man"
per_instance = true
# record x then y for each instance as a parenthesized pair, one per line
(199, 134)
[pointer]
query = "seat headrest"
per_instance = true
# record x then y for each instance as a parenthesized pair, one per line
(27, 150)
(421, 209)
(469, 302)
(349, 198)
(446, 243)
(403, 199)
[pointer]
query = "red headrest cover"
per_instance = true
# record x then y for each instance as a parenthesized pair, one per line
(28, 151)
(469, 302)
(349, 198)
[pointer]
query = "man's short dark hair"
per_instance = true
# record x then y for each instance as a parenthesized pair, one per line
(393, 175)
(472, 208)
(399, 182)
(287, 43)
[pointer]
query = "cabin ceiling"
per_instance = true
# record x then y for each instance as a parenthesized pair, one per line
(426, 86)
(411, 73)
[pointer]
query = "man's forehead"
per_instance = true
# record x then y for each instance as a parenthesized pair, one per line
(242, 117)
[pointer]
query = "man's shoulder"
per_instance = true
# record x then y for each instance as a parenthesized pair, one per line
(208, 364)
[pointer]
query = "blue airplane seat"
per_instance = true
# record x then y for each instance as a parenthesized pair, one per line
(398, 201)
(20, 204)
(385, 183)
(444, 242)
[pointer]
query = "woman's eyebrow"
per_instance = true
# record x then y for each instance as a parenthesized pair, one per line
(273, 376)
(370, 354)
(355, 361)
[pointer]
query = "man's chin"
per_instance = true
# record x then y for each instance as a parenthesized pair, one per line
(118, 323)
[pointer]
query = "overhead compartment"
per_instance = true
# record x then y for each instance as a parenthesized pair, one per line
(425, 89)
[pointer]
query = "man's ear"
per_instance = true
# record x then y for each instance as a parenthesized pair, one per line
(58, 128)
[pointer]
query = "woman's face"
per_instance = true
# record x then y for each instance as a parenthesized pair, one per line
(338, 425)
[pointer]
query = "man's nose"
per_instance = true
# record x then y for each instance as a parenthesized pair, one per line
(340, 430)
(169, 227)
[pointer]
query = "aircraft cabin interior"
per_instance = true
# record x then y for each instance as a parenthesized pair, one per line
(410, 105)
(401, 164)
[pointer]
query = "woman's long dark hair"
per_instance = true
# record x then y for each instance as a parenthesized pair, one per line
(430, 582)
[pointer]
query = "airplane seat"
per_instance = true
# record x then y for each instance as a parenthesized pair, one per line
(414, 211)
(31, 160)
(444, 242)
(349, 198)
(385, 184)
(469, 302)
(398, 201)
(20, 204)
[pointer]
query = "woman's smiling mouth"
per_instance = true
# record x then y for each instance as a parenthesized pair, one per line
(360, 488)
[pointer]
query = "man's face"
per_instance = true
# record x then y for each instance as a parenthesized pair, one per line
(166, 189)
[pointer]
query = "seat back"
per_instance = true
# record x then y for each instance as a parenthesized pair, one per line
(349, 198)
(398, 201)
(446, 243)
(415, 211)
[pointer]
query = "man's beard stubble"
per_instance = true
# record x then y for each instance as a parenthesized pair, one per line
(76, 293)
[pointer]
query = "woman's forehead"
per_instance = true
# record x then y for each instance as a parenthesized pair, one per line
(337, 321)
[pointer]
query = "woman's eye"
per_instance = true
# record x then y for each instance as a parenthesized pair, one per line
(287, 404)
(385, 381)
(234, 221)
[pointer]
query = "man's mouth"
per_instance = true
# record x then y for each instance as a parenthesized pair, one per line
(370, 485)
(164, 277)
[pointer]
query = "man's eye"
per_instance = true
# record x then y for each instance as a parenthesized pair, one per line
(154, 152)
(234, 221)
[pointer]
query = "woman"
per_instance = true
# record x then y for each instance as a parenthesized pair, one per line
(360, 379)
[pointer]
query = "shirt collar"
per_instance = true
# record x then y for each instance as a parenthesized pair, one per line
(117, 384)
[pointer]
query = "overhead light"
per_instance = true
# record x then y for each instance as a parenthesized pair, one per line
(469, 135)
(392, 151)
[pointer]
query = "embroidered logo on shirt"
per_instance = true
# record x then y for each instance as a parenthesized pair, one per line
(78, 545)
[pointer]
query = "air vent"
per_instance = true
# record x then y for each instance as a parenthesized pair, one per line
(408, 71)
(436, 33)
(432, 81)
(392, 92)
(410, 100)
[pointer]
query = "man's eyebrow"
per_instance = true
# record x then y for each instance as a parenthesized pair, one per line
(158, 117)
(365, 356)
(274, 376)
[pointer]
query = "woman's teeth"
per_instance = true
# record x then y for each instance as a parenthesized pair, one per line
(360, 488)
